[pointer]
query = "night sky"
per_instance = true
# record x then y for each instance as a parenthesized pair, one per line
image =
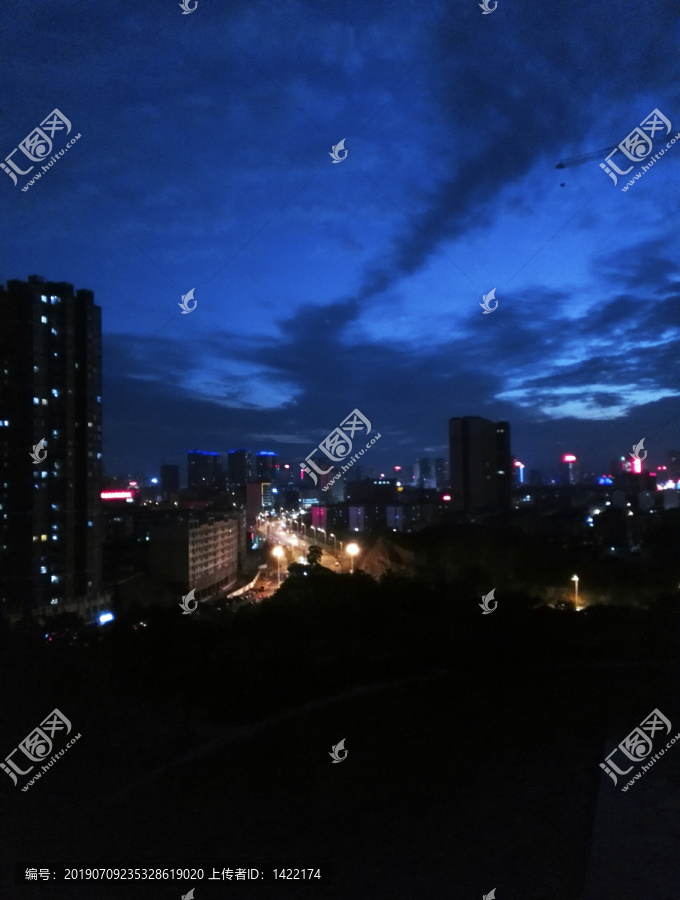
(204, 163)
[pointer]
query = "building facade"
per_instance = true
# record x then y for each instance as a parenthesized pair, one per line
(198, 551)
(50, 396)
(204, 469)
(480, 465)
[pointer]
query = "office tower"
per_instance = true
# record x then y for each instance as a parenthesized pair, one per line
(518, 473)
(673, 464)
(423, 473)
(568, 469)
(441, 473)
(266, 466)
(240, 469)
(481, 465)
(169, 479)
(50, 389)
(204, 469)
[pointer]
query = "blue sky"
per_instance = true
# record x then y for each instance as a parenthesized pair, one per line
(204, 163)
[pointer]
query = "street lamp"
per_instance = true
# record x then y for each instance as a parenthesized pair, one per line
(325, 539)
(574, 578)
(335, 544)
(278, 553)
(352, 549)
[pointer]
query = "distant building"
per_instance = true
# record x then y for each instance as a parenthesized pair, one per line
(673, 464)
(568, 469)
(481, 465)
(201, 551)
(423, 473)
(441, 473)
(204, 469)
(50, 390)
(240, 467)
(258, 498)
(169, 479)
(266, 466)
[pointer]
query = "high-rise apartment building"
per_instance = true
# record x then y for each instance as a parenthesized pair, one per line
(240, 467)
(204, 469)
(481, 465)
(50, 396)
(266, 466)
(169, 479)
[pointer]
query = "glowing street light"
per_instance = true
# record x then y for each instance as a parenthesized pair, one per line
(574, 578)
(278, 553)
(352, 549)
(335, 542)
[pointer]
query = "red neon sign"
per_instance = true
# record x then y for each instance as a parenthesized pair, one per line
(117, 495)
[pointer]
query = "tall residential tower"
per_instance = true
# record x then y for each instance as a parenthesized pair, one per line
(50, 395)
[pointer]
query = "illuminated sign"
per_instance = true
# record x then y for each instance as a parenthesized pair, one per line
(446, 497)
(568, 457)
(117, 495)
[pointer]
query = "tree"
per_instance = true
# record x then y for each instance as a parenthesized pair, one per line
(314, 554)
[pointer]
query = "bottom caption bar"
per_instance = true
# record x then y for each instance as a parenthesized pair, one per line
(271, 874)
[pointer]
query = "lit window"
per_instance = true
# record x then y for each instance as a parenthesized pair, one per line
(35, 537)
(43, 570)
(43, 537)
(54, 579)
(43, 298)
(54, 330)
(55, 432)
(43, 319)
(35, 369)
(55, 299)
(55, 392)
(44, 402)
(55, 537)
(36, 401)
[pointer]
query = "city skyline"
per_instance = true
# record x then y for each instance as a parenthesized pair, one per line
(317, 287)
